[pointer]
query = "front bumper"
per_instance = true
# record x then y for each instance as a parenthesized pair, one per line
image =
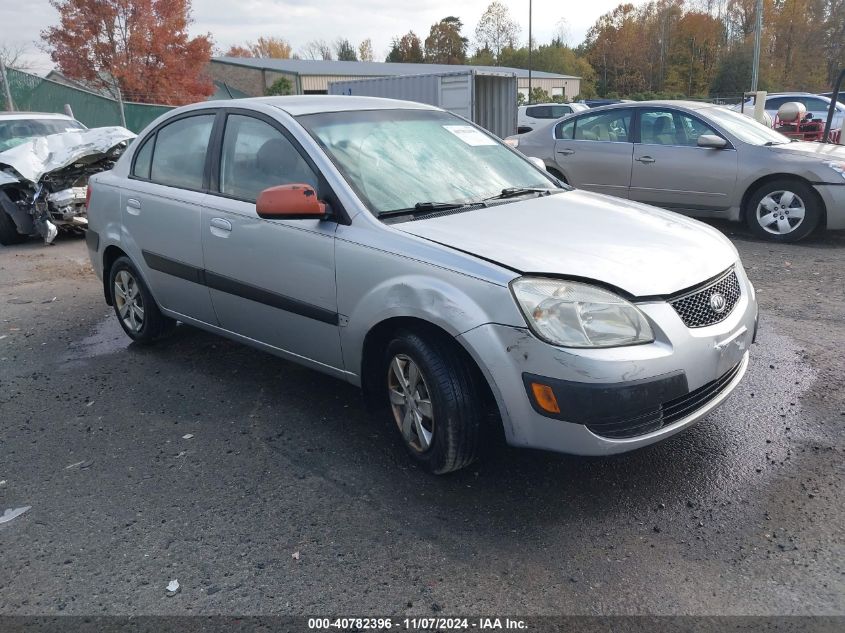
(686, 371)
(834, 202)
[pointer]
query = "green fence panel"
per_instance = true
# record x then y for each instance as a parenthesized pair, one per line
(36, 94)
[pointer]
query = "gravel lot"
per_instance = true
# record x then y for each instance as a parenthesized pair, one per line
(287, 498)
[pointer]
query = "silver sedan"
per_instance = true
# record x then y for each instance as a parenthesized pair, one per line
(698, 159)
(402, 249)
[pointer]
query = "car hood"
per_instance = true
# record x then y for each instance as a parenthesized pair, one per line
(34, 158)
(636, 248)
(822, 151)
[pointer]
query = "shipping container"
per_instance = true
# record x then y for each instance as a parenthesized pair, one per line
(486, 98)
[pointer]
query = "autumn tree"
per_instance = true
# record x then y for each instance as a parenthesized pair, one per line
(237, 50)
(271, 48)
(140, 46)
(407, 48)
(365, 50)
(344, 50)
(496, 30)
(445, 44)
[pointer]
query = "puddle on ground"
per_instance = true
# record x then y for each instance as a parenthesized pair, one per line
(108, 338)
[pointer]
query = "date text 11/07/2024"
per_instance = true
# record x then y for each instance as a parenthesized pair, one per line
(416, 624)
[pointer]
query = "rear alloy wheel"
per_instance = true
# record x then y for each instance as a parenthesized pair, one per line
(434, 399)
(134, 306)
(784, 211)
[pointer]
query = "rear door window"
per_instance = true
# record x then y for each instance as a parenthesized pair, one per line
(180, 151)
(612, 126)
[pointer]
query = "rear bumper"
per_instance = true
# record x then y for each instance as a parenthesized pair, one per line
(834, 202)
(619, 399)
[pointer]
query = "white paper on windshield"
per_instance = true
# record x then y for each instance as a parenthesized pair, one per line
(469, 135)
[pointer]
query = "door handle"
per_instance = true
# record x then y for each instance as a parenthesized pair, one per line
(566, 152)
(220, 227)
(645, 159)
(133, 206)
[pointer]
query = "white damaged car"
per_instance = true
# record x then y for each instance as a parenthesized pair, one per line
(45, 163)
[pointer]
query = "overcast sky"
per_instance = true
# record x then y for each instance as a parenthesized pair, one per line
(299, 21)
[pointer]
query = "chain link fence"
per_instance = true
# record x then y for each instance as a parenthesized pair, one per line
(31, 93)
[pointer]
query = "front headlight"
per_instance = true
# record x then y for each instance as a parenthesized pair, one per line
(573, 314)
(837, 166)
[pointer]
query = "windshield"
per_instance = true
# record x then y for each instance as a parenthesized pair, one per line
(16, 131)
(396, 159)
(744, 127)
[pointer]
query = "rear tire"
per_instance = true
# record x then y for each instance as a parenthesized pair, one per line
(134, 306)
(439, 413)
(784, 211)
(9, 231)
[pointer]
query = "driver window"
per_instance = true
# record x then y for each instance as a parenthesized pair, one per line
(257, 156)
(665, 127)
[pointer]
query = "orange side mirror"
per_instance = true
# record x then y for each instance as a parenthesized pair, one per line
(290, 202)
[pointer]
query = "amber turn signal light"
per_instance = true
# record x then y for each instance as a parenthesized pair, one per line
(545, 397)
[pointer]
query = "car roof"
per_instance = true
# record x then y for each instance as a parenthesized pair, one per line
(662, 103)
(34, 115)
(297, 105)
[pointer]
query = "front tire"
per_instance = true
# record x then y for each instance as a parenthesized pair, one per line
(434, 400)
(784, 211)
(134, 305)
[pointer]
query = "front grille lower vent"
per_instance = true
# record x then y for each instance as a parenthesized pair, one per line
(665, 414)
(704, 306)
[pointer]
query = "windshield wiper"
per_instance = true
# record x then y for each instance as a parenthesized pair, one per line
(512, 192)
(421, 208)
(772, 143)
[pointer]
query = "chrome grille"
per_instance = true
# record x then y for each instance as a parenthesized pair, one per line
(696, 309)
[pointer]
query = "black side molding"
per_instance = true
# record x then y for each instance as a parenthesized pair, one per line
(238, 288)
(587, 403)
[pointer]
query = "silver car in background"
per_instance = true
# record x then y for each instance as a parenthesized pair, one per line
(403, 249)
(698, 159)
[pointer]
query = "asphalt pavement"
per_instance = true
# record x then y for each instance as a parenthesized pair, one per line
(265, 488)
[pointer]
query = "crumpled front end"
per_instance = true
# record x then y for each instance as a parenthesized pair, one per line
(44, 181)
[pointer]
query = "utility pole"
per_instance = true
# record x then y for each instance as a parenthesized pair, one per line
(529, 52)
(10, 105)
(119, 102)
(758, 35)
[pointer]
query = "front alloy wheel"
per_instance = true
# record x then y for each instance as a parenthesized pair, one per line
(784, 210)
(781, 212)
(410, 402)
(435, 397)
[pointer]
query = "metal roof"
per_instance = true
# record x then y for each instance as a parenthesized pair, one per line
(372, 69)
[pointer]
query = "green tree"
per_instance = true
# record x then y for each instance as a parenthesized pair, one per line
(407, 48)
(344, 51)
(445, 44)
(280, 87)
